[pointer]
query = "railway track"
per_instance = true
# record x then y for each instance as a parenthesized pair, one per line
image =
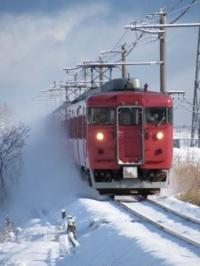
(164, 207)
(180, 226)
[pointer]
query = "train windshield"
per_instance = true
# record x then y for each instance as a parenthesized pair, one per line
(158, 115)
(128, 116)
(101, 116)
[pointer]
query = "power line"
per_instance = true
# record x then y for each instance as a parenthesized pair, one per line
(173, 7)
(184, 12)
(138, 38)
(184, 7)
(120, 40)
(141, 39)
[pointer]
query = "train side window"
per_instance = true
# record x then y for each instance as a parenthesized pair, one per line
(100, 116)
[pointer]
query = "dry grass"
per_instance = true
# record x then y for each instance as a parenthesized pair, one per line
(192, 196)
(186, 181)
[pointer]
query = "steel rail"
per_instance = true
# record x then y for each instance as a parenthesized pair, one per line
(158, 225)
(188, 218)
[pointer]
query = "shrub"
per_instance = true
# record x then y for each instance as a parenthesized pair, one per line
(185, 178)
(192, 196)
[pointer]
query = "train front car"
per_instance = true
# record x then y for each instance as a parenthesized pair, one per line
(129, 139)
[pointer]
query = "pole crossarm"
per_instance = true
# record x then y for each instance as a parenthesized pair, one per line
(110, 52)
(176, 93)
(158, 26)
(151, 31)
(93, 65)
(68, 69)
(75, 85)
(79, 81)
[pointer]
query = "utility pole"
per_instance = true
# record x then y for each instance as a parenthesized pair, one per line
(196, 100)
(100, 71)
(84, 74)
(160, 30)
(124, 57)
(92, 76)
(163, 78)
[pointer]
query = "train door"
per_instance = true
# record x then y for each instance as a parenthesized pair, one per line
(129, 135)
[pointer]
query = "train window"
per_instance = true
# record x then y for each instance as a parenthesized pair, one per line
(158, 115)
(101, 116)
(129, 116)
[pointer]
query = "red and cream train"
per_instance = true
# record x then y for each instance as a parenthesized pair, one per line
(121, 137)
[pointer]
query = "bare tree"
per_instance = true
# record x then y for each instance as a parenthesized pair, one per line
(12, 141)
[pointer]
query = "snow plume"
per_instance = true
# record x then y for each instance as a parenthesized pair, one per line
(50, 179)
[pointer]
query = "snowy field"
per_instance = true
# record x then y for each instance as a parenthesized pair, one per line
(189, 155)
(108, 235)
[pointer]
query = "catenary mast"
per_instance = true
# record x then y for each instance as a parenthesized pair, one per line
(195, 130)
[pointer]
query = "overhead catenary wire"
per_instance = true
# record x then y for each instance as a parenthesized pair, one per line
(118, 43)
(187, 102)
(174, 6)
(184, 12)
(179, 104)
(185, 7)
(138, 38)
(187, 109)
(141, 37)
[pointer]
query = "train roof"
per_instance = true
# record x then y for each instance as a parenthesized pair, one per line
(121, 84)
(114, 85)
(109, 88)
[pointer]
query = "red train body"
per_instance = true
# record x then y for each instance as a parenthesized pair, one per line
(122, 137)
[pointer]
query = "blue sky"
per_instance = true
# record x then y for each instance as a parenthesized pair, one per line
(38, 38)
(52, 6)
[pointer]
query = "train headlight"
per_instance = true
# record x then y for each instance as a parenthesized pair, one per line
(159, 135)
(100, 136)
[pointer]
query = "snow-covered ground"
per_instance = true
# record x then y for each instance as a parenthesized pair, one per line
(182, 132)
(189, 155)
(108, 235)
(182, 207)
